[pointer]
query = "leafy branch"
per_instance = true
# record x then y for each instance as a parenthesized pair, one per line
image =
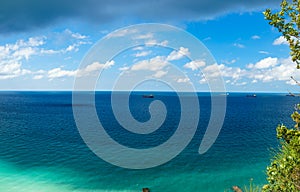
(287, 21)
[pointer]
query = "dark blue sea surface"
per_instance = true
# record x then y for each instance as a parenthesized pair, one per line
(41, 148)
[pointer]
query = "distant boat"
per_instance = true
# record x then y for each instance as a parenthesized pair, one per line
(253, 95)
(148, 96)
(290, 95)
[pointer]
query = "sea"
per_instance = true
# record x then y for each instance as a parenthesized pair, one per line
(41, 149)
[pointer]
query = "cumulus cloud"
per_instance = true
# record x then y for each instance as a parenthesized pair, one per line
(266, 70)
(160, 74)
(280, 41)
(94, 67)
(153, 64)
(88, 70)
(97, 66)
(158, 64)
(241, 83)
(264, 63)
(13, 55)
(176, 55)
(183, 80)
(230, 74)
(32, 14)
(213, 71)
(75, 35)
(58, 73)
(195, 65)
(10, 70)
(142, 53)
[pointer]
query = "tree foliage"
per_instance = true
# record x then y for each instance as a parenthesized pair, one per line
(287, 21)
(284, 172)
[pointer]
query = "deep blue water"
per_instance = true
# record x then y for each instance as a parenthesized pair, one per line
(41, 148)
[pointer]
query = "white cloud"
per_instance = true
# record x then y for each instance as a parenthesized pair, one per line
(36, 77)
(233, 72)
(124, 68)
(96, 66)
(154, 42)
(138, 48)
(211, 72)
(160, 74)
(280, 41)
(58, 73)
(25, 52)
(291, 82)
(176, 55)
(240, 84)
(255, 37)
(164, 43)
(36, 41)
(71, 48)
(143, 54)
(75, 35)
(202, 81)
(266, 70)
(230, 62)
(280, 72)
(12, 56)
(195, 65)
(50, 51)
(183, 80)
(153, 64)
(151, 42)
(10, 70)
(264, 63)
(239, 45)
(264, 52)
(88, 70)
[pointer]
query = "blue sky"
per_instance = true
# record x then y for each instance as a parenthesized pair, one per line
(42, 43)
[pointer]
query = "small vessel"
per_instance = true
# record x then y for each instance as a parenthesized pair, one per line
(252, 95)
(148, 96)
(290, 94)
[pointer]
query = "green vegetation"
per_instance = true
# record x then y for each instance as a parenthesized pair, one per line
(287, 21)
(252, 188)
(284, 172)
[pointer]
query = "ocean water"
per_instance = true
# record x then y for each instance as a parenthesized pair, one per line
(41, 149)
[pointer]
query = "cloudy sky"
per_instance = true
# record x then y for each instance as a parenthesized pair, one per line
(42, 43)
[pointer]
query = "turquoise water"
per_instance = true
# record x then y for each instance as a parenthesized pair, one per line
(41, 149)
